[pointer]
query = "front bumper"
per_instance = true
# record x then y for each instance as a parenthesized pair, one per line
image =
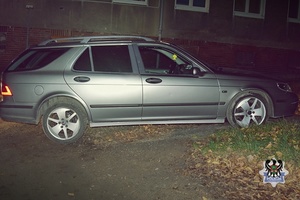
(287, 106)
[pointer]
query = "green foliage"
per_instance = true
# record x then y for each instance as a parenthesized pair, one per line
(280, 139)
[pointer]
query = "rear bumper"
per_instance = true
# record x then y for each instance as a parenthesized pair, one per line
(13, 113)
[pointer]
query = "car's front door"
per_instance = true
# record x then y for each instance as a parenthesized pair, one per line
(107, 79)
(171, 90)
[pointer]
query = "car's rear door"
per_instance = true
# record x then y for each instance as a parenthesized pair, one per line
(170, 89)
(107, 79)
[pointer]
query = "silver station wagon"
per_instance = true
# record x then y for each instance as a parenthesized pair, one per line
(70, 83)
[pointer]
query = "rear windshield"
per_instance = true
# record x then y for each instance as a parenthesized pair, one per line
(36, 59)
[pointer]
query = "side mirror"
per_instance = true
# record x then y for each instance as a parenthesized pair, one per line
(196, 71)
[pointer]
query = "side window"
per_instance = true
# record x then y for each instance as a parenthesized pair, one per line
(111, 59)
(83, 63)
(36, 59)
(158, 60)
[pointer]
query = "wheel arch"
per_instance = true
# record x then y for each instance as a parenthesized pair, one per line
(50, 101)
(256, 91)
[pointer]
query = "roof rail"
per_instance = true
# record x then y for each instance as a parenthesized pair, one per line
(88, 39)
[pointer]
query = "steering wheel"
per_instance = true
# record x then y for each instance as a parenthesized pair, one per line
(174, 68)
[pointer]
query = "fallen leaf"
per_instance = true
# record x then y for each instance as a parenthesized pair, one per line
(279, 154)
(198, 165)
(71, 194)
(269, 145)
(250, 158)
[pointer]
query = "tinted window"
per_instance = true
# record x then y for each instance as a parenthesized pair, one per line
(153, 59)
(83, 63)
(111, 59)
(164, 61)
(35, 59)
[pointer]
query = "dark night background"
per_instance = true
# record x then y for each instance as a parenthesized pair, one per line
(258, 35)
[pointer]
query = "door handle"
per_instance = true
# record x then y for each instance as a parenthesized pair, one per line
(82, 79)
(153, 80)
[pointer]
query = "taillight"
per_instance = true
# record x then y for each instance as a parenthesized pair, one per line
(5, 90)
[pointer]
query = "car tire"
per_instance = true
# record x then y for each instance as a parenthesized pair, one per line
(64, 121)
(247, 109)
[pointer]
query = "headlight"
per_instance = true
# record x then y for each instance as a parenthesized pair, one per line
(284, 86)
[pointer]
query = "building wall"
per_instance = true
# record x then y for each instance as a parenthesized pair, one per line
(92, 16)
(217, 37)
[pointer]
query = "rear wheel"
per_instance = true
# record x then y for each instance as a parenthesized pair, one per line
(64, 122)
(246, 110)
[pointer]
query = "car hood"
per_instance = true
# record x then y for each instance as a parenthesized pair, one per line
(241, 74)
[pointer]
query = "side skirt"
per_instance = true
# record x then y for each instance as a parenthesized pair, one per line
(200, 121)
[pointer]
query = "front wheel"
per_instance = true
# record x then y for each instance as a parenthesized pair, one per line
(247, 110)
(64, 122)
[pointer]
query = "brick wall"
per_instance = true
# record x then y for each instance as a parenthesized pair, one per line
(14, 40)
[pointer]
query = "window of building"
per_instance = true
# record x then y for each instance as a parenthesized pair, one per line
(250, 8)
(138, 2)
(192, 5)
(294, 11)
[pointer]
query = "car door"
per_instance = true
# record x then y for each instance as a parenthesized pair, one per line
(172, 89)
(106, 78)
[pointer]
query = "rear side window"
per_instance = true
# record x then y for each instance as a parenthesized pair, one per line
(111, 59)
(84, 62)
(108, 59)
(35, 59)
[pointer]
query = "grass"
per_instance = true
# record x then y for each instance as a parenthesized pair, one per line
(280, 139)
(232, 158)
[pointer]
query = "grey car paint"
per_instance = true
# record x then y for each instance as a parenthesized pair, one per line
(137, 97)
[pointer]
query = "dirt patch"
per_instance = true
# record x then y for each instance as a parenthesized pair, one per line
(126, 162)
(130, 162)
